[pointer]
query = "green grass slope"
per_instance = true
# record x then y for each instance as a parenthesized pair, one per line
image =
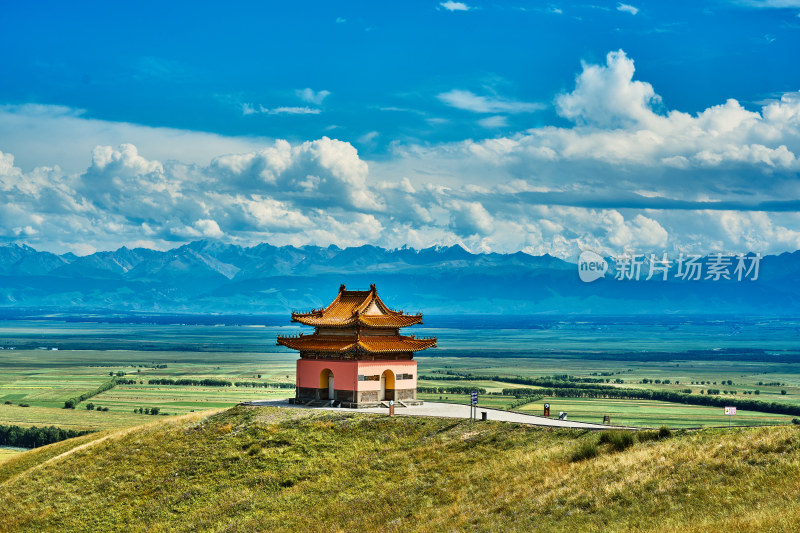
(257, 469)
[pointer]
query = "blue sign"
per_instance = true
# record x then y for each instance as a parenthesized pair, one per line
(474, 397)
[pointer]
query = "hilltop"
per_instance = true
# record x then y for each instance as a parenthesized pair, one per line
(249, 469)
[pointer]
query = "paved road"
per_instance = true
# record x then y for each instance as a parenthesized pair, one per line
(449, 410)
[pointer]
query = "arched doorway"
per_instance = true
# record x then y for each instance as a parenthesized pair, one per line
(326, 390)
(387, 385)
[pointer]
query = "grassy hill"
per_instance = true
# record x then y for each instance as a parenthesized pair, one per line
(254, 469)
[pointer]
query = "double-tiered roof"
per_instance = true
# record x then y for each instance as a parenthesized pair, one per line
(354, 324)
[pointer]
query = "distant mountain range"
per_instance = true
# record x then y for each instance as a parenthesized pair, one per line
(210, 277)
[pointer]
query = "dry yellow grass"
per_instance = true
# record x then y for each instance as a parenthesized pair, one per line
(268, 469)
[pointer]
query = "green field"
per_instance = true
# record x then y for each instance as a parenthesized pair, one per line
(7, 452)
(744, 375)
(45, 378)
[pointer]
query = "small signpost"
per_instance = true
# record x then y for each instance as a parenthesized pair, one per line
(391, 407)
(547, 409)
(473, 405)
(729, 412)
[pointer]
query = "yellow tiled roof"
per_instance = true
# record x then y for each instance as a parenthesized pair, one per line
(369, 344)
(350, 308)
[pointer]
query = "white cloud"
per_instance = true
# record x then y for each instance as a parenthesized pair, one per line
(324, 171)
(469, 101)
(548, 189)
(42, 135)
(368, 137)
(469, 218)
(627, 8)
(496, 121)
(606, 96)
(208, 228)
(251, 109)
(247, 214)
(311, 96)
(294, 111)
(455, 6)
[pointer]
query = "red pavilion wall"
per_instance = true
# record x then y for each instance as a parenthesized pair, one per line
(348, 387)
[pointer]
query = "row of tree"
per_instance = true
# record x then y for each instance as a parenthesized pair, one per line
(212, 382)
(206, 382)
(258, 384)
(147, 410)
(35, 436)
(450, 375)
(450, 390)
(73, 402)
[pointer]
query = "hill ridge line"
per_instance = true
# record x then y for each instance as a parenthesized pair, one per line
(115, 433)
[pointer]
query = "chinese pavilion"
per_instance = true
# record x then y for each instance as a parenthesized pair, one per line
(356, 355)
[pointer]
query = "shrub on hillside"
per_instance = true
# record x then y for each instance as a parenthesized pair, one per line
(587, 450)
(644, 436)
(619, 440)
(664, 432)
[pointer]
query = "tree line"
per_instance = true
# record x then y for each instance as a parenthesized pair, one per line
(73, 402)
(35, 436)
(256, 384)
(206, 382)
(545, 381)
(212, 382)
(450, 390)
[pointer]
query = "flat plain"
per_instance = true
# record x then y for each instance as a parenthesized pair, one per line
(46, 362)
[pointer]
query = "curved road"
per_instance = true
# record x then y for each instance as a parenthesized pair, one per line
(450, 410)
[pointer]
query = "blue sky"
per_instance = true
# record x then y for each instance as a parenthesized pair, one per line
(541, 126)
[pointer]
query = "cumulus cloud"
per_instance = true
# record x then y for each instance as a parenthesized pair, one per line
(468, 218)
(606, 95)
(208, 228)
(46, 135)
(623, 172)
(321, 172)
